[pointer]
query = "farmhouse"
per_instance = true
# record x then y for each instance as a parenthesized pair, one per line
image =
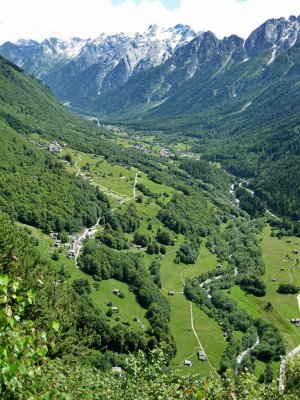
(71, 254)
(202, 356)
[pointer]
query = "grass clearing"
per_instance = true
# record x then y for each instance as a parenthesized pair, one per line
(211, 336)
(278, 257)
(128, 307)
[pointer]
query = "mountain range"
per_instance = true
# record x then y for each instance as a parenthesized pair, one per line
(83, 69)
(158, 69)
(239, 99)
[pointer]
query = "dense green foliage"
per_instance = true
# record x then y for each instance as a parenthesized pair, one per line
(188, 252)
(206, 172)
(32, 372)
(83, 327)
(186, 214)
(36, 189)
(104, 263)
(288, 288)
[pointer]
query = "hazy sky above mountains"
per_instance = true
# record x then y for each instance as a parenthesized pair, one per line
(38, 19)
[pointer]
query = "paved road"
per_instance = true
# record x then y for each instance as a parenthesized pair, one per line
(282, 369)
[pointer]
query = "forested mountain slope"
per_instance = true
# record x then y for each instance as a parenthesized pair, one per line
(35, 187)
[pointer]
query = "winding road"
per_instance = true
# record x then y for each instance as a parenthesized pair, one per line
(90, 232)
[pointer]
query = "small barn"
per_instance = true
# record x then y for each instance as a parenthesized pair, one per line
(115, 309)
(202, 356)
(116, 291)
(171, 293)
(188, 363)
(71, 254)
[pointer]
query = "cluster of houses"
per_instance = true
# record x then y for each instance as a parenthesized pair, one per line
(142, 147)
(57, 243)
(54, 147)
(165, 153)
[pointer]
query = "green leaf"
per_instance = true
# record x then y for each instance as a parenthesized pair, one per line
(55, 326)
(11, 321)
(42, 351)
(31, 294)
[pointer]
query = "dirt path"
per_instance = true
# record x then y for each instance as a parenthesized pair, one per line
(78, 169)
(134, 190)
(198, 340)
(290, 272)
(90, 232)
(200, 346)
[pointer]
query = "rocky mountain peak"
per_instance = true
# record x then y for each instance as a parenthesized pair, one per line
(273, 34)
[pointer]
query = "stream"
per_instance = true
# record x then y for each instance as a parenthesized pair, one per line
(240, 357)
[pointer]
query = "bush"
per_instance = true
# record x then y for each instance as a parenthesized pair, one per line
(55, 256)
(82, 286)
(287, 288)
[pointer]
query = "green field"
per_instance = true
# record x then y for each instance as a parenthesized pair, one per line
(187, 345)
(128, 307)
(211, 337)
(282, 266)
(165, 192)
(114, 180)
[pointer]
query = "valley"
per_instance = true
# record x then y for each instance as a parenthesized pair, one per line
(191, 328)
(149, 223)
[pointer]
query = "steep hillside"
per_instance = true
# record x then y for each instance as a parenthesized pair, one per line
(35, 187)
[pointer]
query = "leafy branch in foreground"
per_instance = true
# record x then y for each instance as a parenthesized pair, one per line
(22, 348)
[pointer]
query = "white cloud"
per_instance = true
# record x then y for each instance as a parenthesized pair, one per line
(38, 19)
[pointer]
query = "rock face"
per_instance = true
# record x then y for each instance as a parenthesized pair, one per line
(273, 34)
(174, 70)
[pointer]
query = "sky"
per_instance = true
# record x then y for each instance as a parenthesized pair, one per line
(39, 19)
